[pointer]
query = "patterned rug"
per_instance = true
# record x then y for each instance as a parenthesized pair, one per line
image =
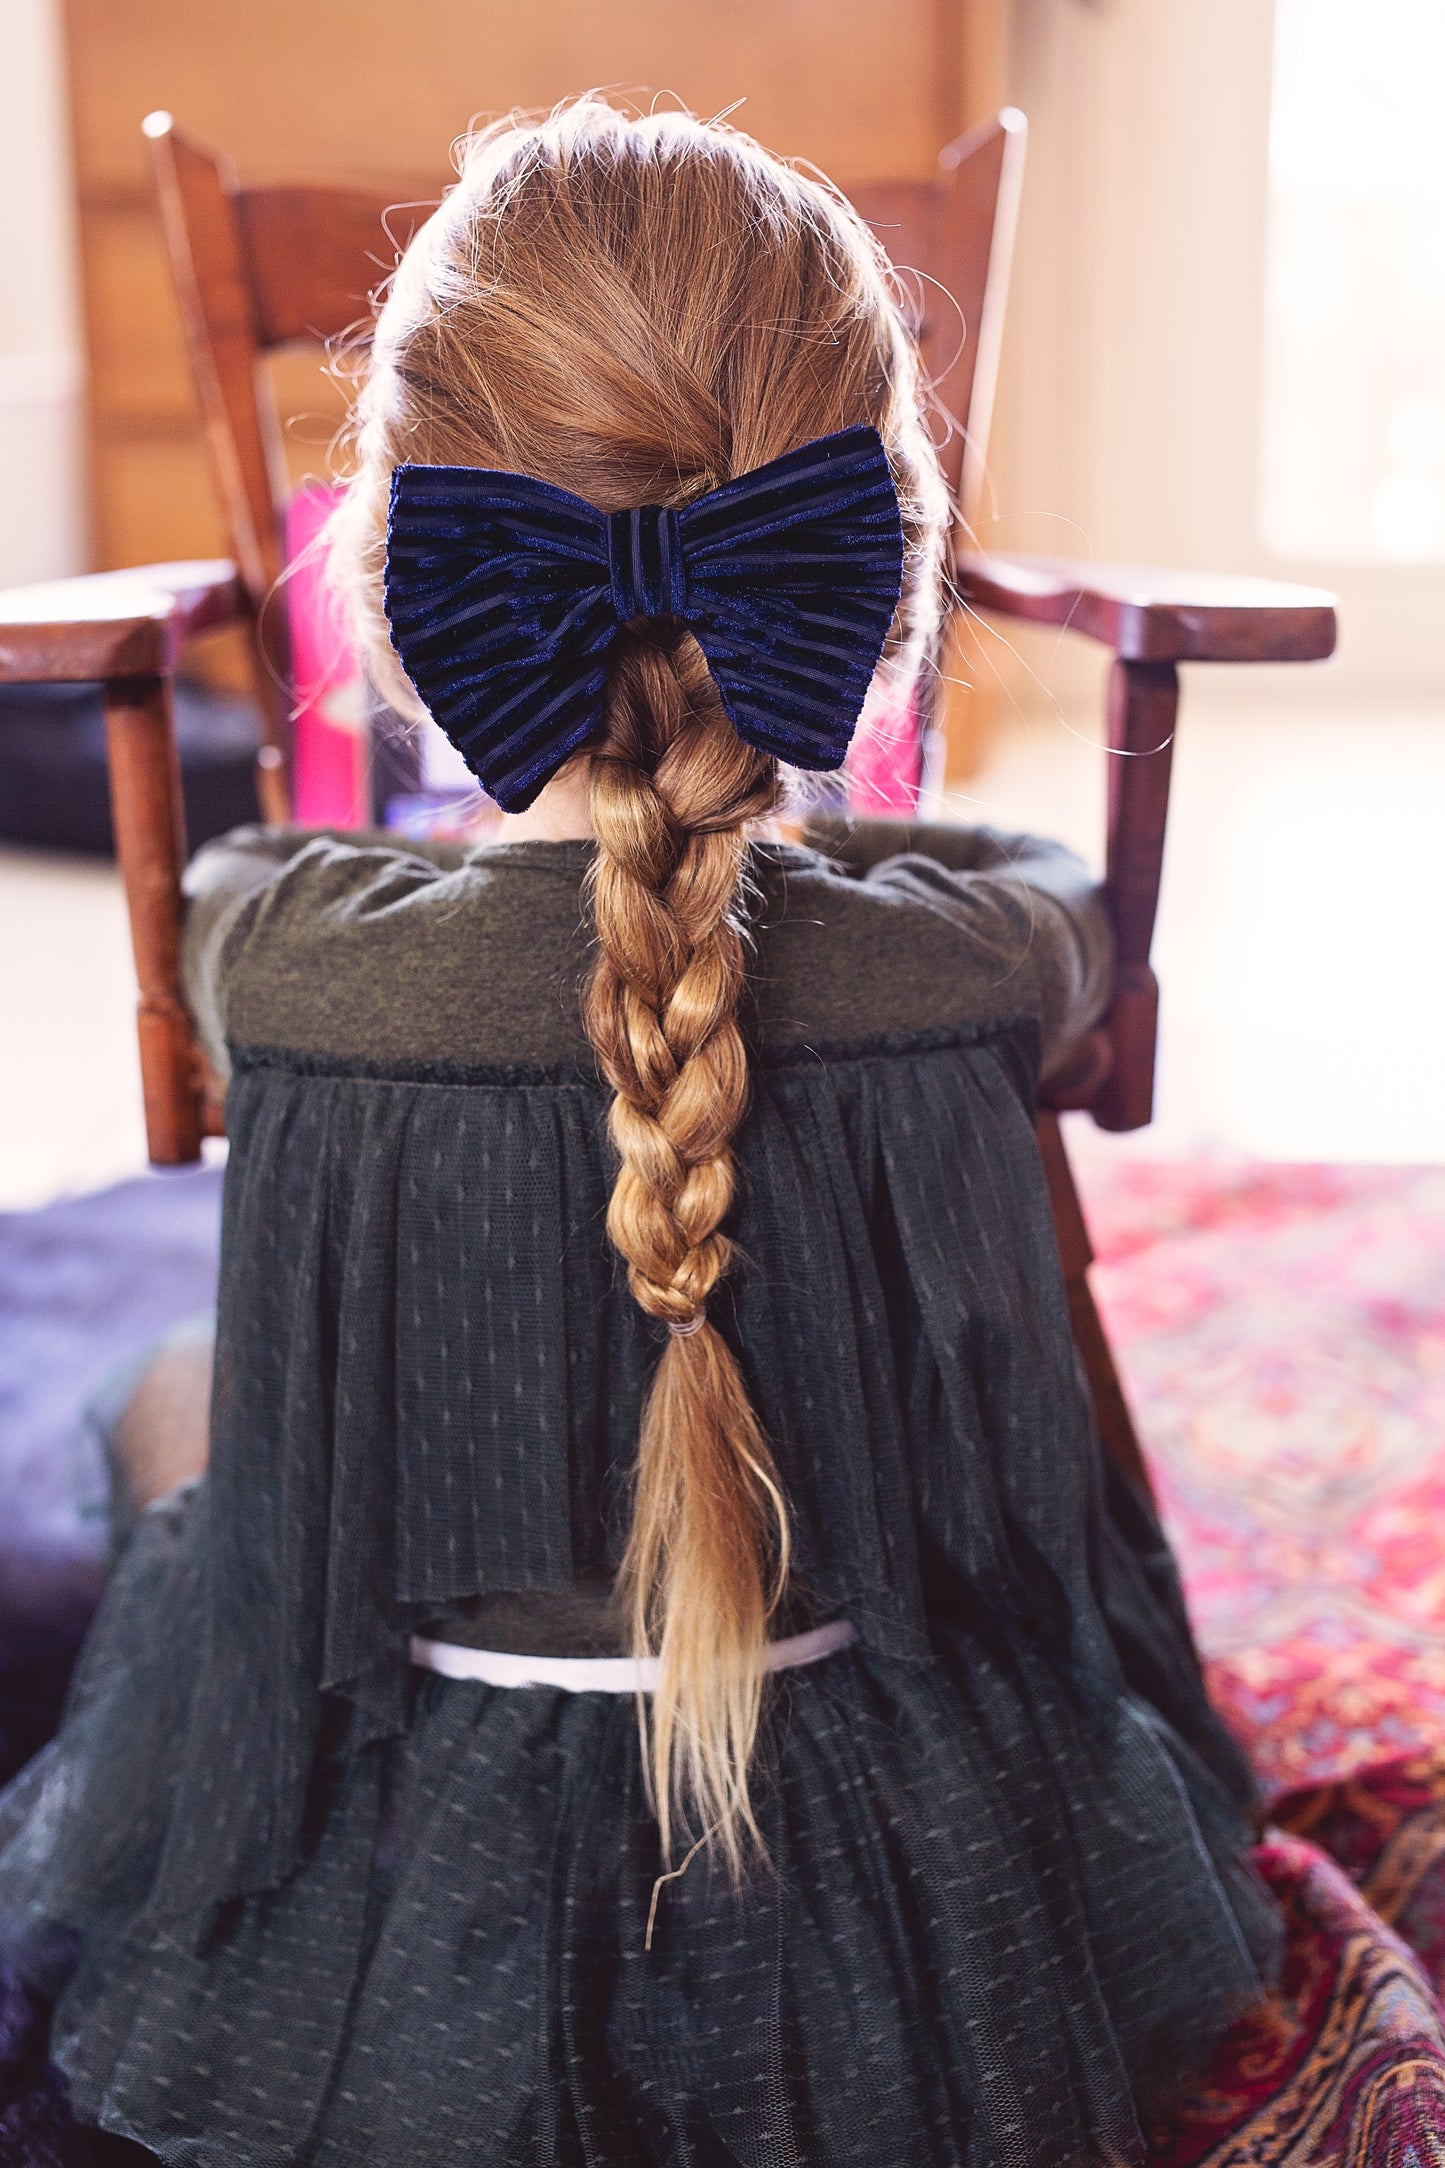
(1282, 1334)
(1343, 2068)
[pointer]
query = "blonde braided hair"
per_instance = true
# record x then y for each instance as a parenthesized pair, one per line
(673, 794)
(638, 310)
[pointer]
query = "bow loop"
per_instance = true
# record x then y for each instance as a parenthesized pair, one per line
(505, 594)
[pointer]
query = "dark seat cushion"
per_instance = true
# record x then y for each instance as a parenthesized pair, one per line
(53, 784)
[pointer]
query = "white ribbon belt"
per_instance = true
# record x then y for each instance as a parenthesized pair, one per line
(606, 1674)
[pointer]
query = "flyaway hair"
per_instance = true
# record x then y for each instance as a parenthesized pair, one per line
(639, 312)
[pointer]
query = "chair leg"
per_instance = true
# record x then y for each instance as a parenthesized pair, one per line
(150, 838)
(1111, 1409)
(1143, 711)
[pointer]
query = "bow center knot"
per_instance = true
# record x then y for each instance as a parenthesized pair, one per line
(644, 554)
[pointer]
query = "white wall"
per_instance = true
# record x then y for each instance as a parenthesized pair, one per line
(1130, 397)
(42, 475)
(1137, 285)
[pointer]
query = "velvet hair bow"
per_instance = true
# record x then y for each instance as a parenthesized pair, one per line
(505, 594)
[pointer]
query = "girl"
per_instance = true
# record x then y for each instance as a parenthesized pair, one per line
(657, 1671)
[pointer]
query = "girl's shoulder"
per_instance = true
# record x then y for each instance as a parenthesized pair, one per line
(366, 949)
(892, 931)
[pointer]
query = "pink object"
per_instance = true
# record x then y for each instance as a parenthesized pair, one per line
(331, 734)
(885, 760)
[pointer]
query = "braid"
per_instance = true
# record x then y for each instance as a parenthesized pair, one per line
(673, 793)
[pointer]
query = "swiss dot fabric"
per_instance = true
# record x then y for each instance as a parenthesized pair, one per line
(305, 1905)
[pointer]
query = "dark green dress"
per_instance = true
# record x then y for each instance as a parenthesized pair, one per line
(305, 1904)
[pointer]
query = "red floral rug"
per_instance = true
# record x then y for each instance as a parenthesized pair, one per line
(1344, 2066)
(1282, 1334)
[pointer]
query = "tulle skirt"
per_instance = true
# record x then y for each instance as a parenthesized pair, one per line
(995, 1920)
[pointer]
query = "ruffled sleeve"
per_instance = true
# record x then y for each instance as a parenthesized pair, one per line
(223, 887)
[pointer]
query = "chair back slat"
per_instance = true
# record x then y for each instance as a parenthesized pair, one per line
(952, 239)
(196, 191)
(980, 182)
(317, 255)
(212, 277)
(903, 214)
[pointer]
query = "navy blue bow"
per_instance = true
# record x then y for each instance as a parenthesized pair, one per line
(505, 594)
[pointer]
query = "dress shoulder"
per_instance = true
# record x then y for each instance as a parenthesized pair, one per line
(366, 950)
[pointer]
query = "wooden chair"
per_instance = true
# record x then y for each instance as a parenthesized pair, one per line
(260, 268)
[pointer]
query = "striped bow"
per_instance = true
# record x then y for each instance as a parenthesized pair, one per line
(505, 594)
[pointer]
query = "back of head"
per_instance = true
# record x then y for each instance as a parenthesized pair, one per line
(639, 310)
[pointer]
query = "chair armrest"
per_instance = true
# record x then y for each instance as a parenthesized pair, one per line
(113, 624)
(1146, 615)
